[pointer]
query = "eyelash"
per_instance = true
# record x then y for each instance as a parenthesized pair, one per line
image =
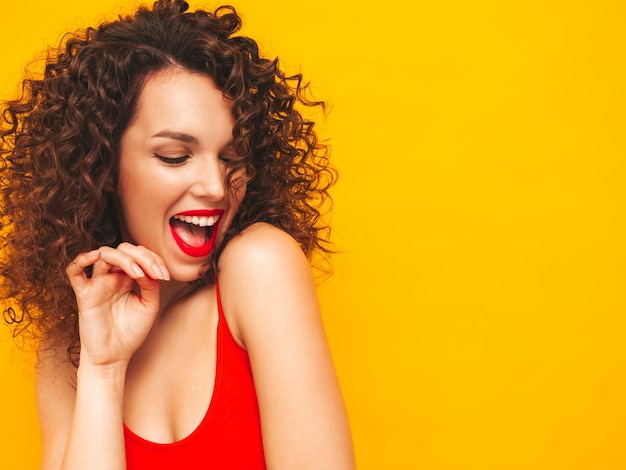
(172, 161)
(227, 158)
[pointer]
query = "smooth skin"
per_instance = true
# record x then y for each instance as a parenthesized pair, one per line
(139, 319)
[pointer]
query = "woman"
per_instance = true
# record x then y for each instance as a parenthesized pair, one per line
(160, 199)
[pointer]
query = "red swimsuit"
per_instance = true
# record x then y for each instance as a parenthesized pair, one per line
(229, 436)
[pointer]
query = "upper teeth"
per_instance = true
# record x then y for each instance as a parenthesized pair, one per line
(202, 221)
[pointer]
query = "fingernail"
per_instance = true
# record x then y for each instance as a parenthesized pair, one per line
(166, 273)
(156, 272)
(138, 271)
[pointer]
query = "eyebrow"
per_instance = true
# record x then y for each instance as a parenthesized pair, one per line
(181, 136)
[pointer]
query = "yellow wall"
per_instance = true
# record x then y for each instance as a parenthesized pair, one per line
(477, 312)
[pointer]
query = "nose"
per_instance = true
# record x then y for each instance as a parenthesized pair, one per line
(209, 179)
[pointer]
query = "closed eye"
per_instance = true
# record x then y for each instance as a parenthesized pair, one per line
(228, 156)
(172, 160)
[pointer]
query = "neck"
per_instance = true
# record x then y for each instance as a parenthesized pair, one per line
(172, 291)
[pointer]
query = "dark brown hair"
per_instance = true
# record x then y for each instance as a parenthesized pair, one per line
(59, 150)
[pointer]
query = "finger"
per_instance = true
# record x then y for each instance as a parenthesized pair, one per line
(150, 262)
(149, 292)
(114, 260)
(76, 269)
(102, 266)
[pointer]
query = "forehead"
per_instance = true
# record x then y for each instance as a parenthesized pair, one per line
(183, 101)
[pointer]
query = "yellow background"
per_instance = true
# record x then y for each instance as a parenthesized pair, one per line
(476, 314)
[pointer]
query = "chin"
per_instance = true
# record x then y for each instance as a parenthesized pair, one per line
(186, 274)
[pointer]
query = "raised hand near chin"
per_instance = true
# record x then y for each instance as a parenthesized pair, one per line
(118, 303)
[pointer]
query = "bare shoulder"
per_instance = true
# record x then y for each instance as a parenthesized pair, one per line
(262, 272)
(270, 302)
(56, 394)
(261, 243)
(55, 373)
(260, 267)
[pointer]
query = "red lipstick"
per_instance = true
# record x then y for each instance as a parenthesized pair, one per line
(196, 251)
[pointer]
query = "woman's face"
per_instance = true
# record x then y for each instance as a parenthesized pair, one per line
(172, 173)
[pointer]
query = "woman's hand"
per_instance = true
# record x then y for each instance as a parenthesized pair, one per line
(118, 303)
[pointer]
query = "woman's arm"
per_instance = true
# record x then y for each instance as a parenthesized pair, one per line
(56, 393)
(83, 427)
(269, 299)
(79, 415)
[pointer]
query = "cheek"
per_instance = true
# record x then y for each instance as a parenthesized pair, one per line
(135, 207)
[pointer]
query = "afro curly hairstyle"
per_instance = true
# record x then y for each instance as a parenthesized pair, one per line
(60, 143)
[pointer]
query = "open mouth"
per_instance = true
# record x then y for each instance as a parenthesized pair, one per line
(195, 232)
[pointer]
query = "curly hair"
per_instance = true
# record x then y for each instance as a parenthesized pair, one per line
(60, 147)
